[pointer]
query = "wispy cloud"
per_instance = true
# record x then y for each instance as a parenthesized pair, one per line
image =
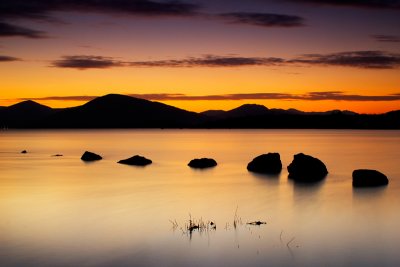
(356, 59)
(263, 19)
(11, 10)
(42, 9)
(211, 61)
(86, 62)
(10, 30)
(8, 58)
(386, 38)
(311, 96)
(374, 4)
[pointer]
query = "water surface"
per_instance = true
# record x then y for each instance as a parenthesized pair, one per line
(60, 211)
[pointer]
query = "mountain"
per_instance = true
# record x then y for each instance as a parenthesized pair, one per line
(245, 110)
(24, 114)
(120, 111)
(250, 117)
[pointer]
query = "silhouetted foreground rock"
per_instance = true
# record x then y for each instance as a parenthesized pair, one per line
(369, 178)
(305, 168)
(136, 161)
(24, 152)
(90, 156)
(202, 163)
(267, 163)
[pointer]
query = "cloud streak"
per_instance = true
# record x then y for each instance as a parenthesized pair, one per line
(211, 61)
(90, 62)
(310, 96)
(83, 62)
(8, 59)
(10, 30)
(356, 59)
(263, 19)
(386, 38)
(11, 10)
(372, 4)
(41, 9)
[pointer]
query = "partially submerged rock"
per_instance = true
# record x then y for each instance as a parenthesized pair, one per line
(90, 156)
(305, 168)
(369, 178)
(57, 155)
(136, 161)
(256, 223)
(267, 163)
(24, 152)
(202, 163)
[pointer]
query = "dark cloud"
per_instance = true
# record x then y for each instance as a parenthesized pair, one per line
(341, 96)
(357, 59)
(41, 9)
(8, 58)
(9, 30)
(86, 62)
(263, 19)
(374, 4)
(311, 96)
(164, 97)
(386, 38)
(211, 61)
(62, 98)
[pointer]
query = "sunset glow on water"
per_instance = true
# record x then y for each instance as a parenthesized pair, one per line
(60, 211)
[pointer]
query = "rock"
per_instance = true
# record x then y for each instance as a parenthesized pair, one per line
(202, 163)
(57, 155)
(305, 168)
(369, 178)
(90, 156)
(267, 163)
(136, 161)
(24, 152)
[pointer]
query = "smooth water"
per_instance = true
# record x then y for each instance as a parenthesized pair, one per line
(60, 211)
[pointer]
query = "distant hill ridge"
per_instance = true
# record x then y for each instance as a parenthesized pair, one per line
(121, 111)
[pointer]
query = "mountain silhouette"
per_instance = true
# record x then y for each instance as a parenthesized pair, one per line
(120, 111)
(24, 114)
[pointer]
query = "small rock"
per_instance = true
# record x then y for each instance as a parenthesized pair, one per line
(305, 168)
(267, 163)
(57, 155)
(202, 163)
(90, 156)
(257, 223)
(369, 178)
(24, 152)
(136, 161)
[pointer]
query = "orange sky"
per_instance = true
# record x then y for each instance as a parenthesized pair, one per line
(353, 56)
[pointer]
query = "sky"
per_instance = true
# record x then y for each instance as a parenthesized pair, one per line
(198, 55)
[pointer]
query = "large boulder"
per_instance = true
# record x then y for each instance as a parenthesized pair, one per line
(369, 178)
(136, 161)
(202, 163)
(267, 163)
(305, 168)
(90, 156)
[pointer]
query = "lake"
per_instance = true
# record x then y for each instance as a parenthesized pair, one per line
(61, 211)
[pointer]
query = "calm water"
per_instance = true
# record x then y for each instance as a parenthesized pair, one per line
(60, 211)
